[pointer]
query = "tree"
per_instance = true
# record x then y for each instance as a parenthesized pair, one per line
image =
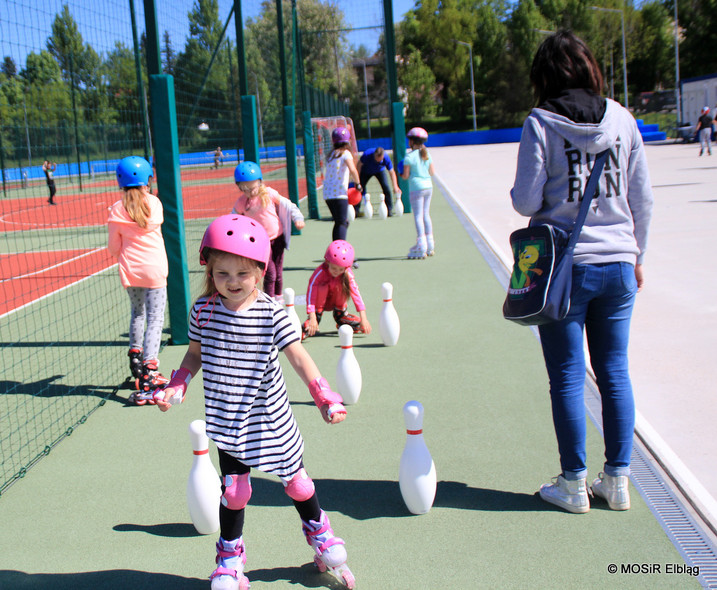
(419, 84)
(698, 48)
(170, 57)
(652, 63)
(8, 67)
(41, 69)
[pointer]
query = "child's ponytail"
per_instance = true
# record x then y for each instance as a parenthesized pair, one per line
(136, 205)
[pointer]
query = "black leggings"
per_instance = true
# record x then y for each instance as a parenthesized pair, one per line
(339, 211)
(232, 521)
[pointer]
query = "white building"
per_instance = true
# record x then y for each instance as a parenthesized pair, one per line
(697, 93)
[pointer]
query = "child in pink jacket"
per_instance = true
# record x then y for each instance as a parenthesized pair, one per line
(274, 212)
(135, 238)
(330, 286)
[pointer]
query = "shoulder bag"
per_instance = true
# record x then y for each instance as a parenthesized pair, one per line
(540, 284)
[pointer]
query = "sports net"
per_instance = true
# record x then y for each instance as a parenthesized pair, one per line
(321, 129)
(74, 91)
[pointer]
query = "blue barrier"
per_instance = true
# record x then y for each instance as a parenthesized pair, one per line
(649, 132)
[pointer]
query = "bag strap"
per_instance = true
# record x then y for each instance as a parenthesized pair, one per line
(587, 197)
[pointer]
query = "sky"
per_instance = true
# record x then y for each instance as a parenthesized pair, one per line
(25, 25)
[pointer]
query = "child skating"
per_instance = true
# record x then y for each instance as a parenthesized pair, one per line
(274, 212)
(418, 169)
(135, 239)
(236, 332)
(339, 166)
(330, 286)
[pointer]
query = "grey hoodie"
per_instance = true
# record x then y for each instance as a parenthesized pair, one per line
(554, 161)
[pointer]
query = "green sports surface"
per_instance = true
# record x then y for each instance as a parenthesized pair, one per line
(106, 509)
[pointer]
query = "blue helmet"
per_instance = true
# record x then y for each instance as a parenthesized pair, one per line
(247, 171)
(133, 171)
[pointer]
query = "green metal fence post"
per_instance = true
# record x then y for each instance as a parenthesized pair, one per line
(164, 122)
(250, 131)
(249, 126)
(398, 125)
(166, 161)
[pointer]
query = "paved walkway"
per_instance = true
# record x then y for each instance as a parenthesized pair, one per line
(674, 332)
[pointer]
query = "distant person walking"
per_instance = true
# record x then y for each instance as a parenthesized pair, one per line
(218, 158)
(49, 169)
(704, 130)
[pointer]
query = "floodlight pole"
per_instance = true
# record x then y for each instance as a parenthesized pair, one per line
(473, 93)
(624, 52)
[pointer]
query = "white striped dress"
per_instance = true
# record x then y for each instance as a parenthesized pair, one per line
(245, 398)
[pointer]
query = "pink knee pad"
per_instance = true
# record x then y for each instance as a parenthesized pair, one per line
(300, 487)
(237, 491)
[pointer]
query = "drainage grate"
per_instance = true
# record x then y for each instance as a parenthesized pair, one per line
(688, 535)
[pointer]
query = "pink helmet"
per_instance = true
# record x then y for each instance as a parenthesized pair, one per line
(341, 253)
(418, 133)
(239, 235)
(340, 135)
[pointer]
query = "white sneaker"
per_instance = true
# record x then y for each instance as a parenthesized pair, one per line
(571, 495)
(613, 489)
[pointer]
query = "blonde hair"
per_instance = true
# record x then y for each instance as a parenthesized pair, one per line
(135, 203)
(263, 193)
(212, 255)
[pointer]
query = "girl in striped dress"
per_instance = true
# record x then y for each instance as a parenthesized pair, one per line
(236, 332)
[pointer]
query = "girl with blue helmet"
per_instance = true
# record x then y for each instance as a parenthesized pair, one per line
(274, 212)
(135, 239)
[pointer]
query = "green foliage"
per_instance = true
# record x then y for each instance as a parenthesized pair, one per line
(419, 85)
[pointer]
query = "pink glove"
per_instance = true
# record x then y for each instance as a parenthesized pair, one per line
(323, 396)
(179, 381)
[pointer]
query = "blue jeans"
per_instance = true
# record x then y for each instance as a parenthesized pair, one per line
(601, 304)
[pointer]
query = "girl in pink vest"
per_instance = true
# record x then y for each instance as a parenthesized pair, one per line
(135, 238)
(274, 212)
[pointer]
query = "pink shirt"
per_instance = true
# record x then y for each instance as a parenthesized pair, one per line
(140, 251)
(267, 216)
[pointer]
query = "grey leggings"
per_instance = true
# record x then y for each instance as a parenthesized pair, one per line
(147, 307)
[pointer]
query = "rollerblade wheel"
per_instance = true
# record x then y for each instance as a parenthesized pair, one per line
(320, 564)
(349, 580)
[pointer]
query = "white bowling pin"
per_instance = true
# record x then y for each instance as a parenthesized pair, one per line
(290, 308)
(417, 473)
(348, 372)
(382, 209)
(368, 207)
(204, 488)
(397, 206)
(388, 323)
(351, 213)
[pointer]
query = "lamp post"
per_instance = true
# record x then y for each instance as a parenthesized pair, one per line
(365, 89)
(624, 58)
(473, 94)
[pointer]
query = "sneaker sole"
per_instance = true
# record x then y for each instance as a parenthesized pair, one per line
(612, 505)
(568, 507)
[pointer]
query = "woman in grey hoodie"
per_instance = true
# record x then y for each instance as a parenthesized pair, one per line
(558, 146)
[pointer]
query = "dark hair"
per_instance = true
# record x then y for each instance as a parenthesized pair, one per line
(563, 61)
